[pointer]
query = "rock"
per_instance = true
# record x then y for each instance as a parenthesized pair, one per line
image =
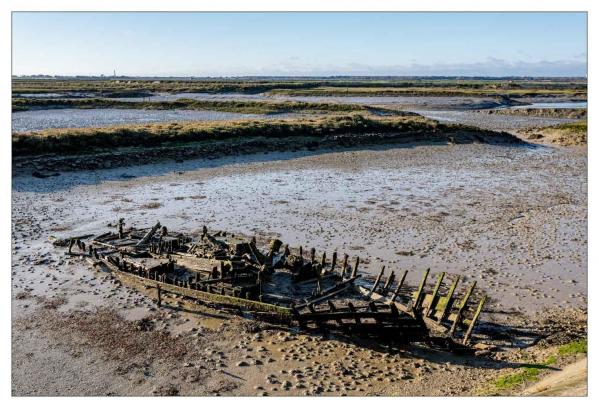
(242, 364)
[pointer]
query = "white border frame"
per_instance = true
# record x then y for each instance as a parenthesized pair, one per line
(7, 6)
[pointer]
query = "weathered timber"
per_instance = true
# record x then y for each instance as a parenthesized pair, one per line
(148, 235)
(418, 296)
(446, 307)
(65, 241)
(376, 282)
(399, 285)
(344, 266)
(231, 272)
(212, 298)
(433, 299)
(333, 262)
(479, 309)
(354, 272)
(389, 282)
(462, 307)
(327, 294)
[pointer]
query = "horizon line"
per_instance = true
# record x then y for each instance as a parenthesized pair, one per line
(102, 76)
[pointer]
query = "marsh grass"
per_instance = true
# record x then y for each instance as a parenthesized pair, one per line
(88, 140)
(140, 87)
(574, 347)
(574, 127)
(528, 373)
(250, 107)
(431, 91)
(531, 372)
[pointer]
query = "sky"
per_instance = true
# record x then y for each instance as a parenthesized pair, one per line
(312, 44)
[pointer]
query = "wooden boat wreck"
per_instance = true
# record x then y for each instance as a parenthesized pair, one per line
(277, 283)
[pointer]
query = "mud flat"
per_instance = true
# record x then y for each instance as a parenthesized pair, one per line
(512, 217)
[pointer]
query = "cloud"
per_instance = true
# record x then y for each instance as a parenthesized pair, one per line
(488, 67)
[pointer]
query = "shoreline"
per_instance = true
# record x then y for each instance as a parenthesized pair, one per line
(43, 164)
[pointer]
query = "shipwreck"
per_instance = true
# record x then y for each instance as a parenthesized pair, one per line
(296, 287)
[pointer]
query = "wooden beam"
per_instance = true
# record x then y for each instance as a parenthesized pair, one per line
(205, 296)
(331, 292)
(417, 300)
(433, 302)
(376, 282)
(447, 306)
(399, 285)
(354, 272)
(461, 309)
(479, 309)
(389, 282)
(148, 235)
(333, 261)
(353, 313)
(344, 266)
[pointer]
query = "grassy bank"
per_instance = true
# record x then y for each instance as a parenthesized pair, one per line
(530, 373)
(88, 139)
(580, 127)
(565, 134)
(567, 113)
(255, 107)
(136, 86)
(434, 91)
(331, 130)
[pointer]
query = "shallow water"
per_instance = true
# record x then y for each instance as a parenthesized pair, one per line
(75, 118)
(491, 122)
(548, 105)
(200, 96)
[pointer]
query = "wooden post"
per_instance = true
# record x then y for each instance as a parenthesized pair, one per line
(376, 282)
(334, 261)
(354, 272)
(419, 294)
(352, 309)
(323, 260)
(301, 252)
(389, 282)
(433, 304)
(399, 285)
(159, 297)
(460, 311)
(333, 309)
(393, 309)
(149, 234)
(121, 222)
(474, 319)
(344, 266)
(312, 254)
(446, 307)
